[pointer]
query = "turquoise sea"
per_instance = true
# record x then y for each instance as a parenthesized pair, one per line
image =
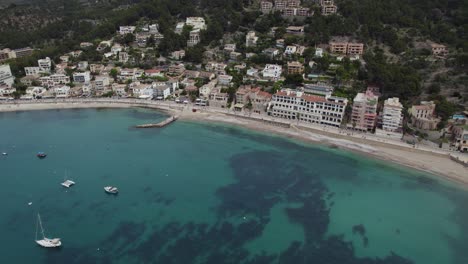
(206, 193)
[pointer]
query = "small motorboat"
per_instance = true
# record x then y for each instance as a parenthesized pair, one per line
(4, 153)
(41, 155)
(111, 189)
(68, 183)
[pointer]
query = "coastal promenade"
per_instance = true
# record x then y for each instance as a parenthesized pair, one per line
(450, 164)
(172, 107)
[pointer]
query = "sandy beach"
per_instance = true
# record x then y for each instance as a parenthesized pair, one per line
(432, 161)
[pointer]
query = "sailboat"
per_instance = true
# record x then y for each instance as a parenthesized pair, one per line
(46, 242)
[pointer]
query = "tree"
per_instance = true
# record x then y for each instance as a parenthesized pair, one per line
(294, 79)
(114, 72)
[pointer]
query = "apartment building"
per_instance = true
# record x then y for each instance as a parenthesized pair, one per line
(96, 68)
(6, 54)
(257, 99)
(344, 46)
(272, 71)
(266, 7)
(295, 67)
(194, 38)
(123, 30)
(54, 80)
(82, 77)
(218, 98)
(439, 50)
(328, 7)
(329, 10)
(392, 118)
(296, 105)
(251, 39)
(355, 48)
(176, 69)
(45, 65)
(178, 54)
(364, 114)
(61, 91)
(6, 78)
(101, 83)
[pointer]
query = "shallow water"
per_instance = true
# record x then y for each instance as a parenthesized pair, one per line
(203, 193)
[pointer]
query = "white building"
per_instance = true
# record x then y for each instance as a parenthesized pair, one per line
(34, 92)
(179, 28)
(32, 71)
(45, 65)
(82, 77)
(64, 58)
(296, 105)
(82, 65)
(123, 57)
(54, 80)
(178, 54)
(123, 30)
(319, 52)
(101, 83)
(119, 89)
(116, 48)
(87, 89)
(6, 91)
(61, 91)
(392, 118)
(142, 91)
(272, 71)
(196, 22)
(290, 50)
(224, 80)
(251, 39)
(161, 92)
(206, 89)
(194, 38)
(6, 78)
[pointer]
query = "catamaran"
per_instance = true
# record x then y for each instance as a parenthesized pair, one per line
(67, 183)
(46, 242)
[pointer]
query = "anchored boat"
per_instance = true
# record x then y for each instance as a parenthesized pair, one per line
(68, 183)
(46, 242)
(111, 189)
(41, 155)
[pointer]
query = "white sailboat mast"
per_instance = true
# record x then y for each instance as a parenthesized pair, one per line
(40, 224)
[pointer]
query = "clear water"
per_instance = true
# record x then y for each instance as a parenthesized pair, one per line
(204, 193)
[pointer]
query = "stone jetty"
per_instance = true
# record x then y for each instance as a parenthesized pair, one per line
(160, 124)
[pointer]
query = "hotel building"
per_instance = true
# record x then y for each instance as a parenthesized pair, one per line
(295, 105)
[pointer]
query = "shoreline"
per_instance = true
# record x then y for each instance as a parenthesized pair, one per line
(438, 164)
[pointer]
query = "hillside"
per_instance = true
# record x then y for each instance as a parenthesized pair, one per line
(395, 32)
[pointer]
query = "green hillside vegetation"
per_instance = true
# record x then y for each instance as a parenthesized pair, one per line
(391, 29)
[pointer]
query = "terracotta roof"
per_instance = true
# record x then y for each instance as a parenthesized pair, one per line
(313, 98)
(152, 71)
(263, 94)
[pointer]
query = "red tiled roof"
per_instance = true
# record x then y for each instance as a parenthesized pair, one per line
(152, 71)
(313, 98)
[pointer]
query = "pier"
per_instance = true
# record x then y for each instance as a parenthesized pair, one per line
(160, 124)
